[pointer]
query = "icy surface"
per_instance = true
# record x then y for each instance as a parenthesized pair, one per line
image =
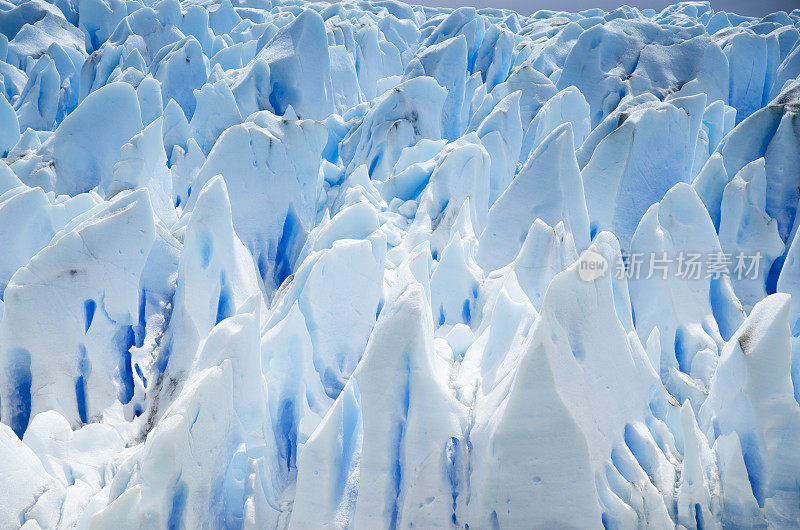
(276, 264)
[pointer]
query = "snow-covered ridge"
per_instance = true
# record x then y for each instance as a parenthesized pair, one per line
(275, 264)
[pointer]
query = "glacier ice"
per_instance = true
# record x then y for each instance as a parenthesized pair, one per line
(286, 264)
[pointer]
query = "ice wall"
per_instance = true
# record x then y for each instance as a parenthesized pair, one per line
(280, 264)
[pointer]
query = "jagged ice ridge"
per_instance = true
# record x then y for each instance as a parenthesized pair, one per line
(276, 264)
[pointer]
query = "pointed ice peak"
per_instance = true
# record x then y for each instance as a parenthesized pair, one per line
(251, 87)
(394, 412)
(549, 186)
(360, 181)
(340, 313)
(536, 90)
(143, 164)
(216, 111)
(604, 252)
(696, 498)
(752, 395)
(446, 61)
(577, 369)
(287, 358)
(710, 184)
(38, 102)
(26, 226)
(21, 465)
(215, 276)
(90, 273)
(504, 118)
(454, 219)
(670, 129)
(568, 105)
(399, 118)
(460, 172)
(8, 180)
(501, 135)
(754, 174)
(613, 121)
(212, 208)
(754, 249)
(181, 67)
(299, 67)
(149, 94)
(694, 106)
(718, 120)
(224, 18)
(702, 308)
(238, 340)
(271, 170)
(29, 141)
(681, 208)
(739, 505)
(210, 231)
(455, 282)
(494, 356)
(545, 252)
(85, 146)
(176, 126)
(789, 282)
(770, 133)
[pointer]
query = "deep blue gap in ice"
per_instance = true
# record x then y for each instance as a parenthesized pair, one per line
(19, 371)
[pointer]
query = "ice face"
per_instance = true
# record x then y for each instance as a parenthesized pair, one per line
(370, 265)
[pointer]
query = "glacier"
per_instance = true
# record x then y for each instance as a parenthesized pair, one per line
(296, 265)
